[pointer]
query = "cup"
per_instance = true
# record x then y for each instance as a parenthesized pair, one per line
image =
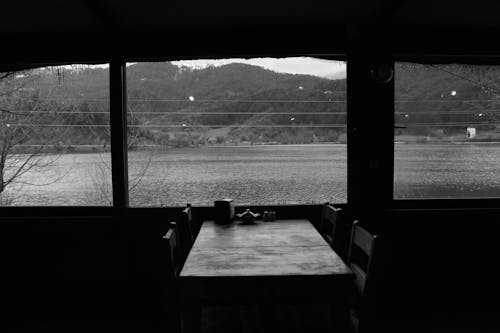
(224, 211)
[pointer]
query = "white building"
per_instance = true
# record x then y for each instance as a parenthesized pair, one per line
(471, 132)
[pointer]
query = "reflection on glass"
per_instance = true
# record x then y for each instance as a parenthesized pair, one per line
(54, 137)
(447, 135)
(259, 131)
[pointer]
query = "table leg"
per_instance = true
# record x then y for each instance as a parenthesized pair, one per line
(340, 313)
(191, 318)
(267, 312)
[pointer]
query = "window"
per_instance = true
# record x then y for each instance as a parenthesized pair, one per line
(447, 134)
(54, 137)
(259, 131)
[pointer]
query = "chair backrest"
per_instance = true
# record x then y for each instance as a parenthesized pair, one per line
(185, 229)
(329, 221)
(362, 254)
(187, 218)
(172, 252)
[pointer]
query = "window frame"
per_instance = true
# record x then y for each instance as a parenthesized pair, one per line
(444, 203)
(336, 57)
(380, 169)
(118, 124)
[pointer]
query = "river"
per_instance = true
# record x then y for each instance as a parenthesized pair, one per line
(259, 174)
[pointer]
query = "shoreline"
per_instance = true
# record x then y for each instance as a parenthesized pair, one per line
(95, 149)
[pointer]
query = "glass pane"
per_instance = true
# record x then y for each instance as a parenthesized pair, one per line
(54, 137)
(447, 135)
(259, 131)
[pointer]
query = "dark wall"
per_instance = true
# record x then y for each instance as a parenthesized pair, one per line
(52, 268)
(64, 267)
(441, 266)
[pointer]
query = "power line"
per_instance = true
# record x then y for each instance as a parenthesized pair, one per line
(186, 100)
(237, 101)
(244, 126)
(60, 112)
(451, 124)
(444, 100)
(186, 113)
(185, 127)
(234, 113)
(183, 112)
(325, 113)
(490, 89)
(446, 112)
(277, 100)
(254, 126)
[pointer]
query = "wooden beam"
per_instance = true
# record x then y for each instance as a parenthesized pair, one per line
(118, 120)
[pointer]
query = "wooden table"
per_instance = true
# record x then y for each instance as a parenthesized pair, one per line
(280, 261)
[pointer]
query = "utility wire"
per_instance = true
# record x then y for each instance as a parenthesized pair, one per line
(181, 126)
(491, 89)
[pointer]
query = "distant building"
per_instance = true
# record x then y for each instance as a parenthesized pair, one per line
(471, 132)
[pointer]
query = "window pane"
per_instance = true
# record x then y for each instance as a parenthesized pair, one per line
(447, 135)
(259, 131)
(54, 136)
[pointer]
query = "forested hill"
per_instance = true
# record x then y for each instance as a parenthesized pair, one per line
(232, 81)
(166, 100)
(443, 100)
(176, 105)
(167, 81)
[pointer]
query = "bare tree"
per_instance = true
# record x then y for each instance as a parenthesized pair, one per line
(37, 125)
(23, 143)
(140, 170)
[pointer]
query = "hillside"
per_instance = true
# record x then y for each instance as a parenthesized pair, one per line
(178, 106)
(441, 101)
(173, 105)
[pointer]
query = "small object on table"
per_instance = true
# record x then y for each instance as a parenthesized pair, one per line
(247, 217)
(269, 216)
(224, 211)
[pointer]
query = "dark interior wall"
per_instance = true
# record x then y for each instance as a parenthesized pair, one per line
(53, 268)
(88, 30)
(441, 265)
(64, 267)
(64, 263)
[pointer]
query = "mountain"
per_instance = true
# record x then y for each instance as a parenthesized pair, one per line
(449, 97)
(249, 103)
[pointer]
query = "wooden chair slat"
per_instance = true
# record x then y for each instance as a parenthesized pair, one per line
(172, 266)
(330, 213)
(360, 277)
(186, 231)
(363, 239)
(170, 243)
(174, 252)
(363, 309)
(353, 316)
(187, 219)
(328, 222)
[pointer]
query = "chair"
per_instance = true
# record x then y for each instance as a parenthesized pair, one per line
(328, 222)
(335, 230)
(362, 255)
(168, 272)
(185, 229)
(173, 253)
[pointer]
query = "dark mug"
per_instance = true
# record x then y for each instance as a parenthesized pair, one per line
(224, 211)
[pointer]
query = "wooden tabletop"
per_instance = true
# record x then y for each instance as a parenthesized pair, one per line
(278, 248)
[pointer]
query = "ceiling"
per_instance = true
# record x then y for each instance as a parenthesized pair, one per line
(98, 29)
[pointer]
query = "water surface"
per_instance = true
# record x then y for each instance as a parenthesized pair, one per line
(259, 174)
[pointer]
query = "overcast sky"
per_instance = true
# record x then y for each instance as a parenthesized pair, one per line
(294, 65)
